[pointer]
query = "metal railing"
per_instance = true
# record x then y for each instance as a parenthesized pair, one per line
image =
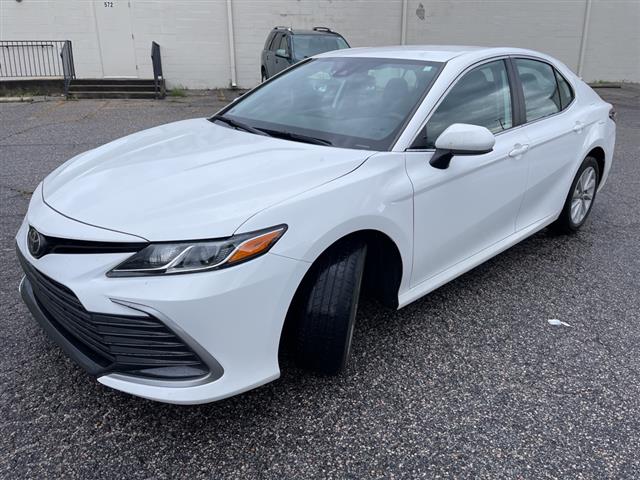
(158, 78)
(37, 59)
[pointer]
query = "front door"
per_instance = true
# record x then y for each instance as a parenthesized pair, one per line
(113, 20)
(471, 205)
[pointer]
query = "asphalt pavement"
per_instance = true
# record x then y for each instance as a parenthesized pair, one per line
(470, 381)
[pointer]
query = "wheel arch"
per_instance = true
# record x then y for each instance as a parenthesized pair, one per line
(383, 273)
(598, 143)
(382, 248)
(598, 153)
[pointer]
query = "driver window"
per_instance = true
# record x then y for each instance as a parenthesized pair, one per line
(481, 97)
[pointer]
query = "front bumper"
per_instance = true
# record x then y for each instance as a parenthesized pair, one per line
(232, 318)
(138, 346)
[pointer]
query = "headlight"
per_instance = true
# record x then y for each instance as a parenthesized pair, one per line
(197, 256)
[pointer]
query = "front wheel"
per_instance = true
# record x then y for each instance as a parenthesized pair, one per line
(325, 329)
(580, 198)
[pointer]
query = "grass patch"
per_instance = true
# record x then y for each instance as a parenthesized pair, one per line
(177, 92)
(26, 193)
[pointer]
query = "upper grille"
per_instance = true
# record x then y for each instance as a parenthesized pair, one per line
(133, 345)
(48, 244)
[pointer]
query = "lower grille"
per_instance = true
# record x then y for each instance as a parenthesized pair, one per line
(134, 345)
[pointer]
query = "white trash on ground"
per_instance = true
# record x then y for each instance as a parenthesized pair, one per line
(557, 323)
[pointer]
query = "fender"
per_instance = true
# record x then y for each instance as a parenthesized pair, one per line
(377, 196)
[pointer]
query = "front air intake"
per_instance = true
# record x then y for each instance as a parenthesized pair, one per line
(132, 345)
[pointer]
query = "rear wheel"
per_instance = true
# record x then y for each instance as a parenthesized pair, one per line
(263, 74)
(327, 317)
(580, 198)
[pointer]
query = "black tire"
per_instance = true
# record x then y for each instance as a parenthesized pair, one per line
(326, 323)
(263, 75)
(564, 224)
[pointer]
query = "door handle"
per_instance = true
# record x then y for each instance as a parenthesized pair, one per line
(578, 127)
(518, 150)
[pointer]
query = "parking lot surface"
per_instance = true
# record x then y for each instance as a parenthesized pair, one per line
(471, 381)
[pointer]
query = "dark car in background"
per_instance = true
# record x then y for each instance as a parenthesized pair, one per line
(285, 46)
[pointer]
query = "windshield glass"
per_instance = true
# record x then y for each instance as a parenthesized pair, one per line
(350, 102)
(309, 45)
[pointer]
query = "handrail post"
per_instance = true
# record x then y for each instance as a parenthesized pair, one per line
(67, 65)
(156, 61)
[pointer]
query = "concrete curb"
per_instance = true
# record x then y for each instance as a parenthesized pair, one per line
(15, 99)
(605, 85)
(31, 99)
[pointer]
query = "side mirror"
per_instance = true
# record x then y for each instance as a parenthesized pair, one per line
(282, 53)
(461, 139)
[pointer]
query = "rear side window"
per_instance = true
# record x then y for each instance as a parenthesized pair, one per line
(566, 93)
(541, 93)
(275, 41)
(481, 97)
(267, 43)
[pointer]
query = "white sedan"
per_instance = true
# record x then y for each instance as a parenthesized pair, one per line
(175, 262)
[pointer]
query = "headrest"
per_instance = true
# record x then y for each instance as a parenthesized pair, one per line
(395, 88)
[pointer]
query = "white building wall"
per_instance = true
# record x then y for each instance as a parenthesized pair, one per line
(193, 34)
(552, 27)
(55, 20)
(613, 41)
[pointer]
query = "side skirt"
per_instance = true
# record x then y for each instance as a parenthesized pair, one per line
(473, 261)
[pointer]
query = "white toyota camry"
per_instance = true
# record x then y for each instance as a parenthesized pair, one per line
(173, 263)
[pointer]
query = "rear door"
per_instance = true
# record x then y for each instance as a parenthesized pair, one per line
(271, 55)
(266, 51)
(555, 130)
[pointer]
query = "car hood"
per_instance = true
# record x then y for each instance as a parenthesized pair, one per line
(189, 180)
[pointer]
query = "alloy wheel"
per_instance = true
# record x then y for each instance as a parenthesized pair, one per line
(583, 195)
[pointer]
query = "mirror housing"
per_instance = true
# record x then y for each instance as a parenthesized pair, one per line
(461, 139)
(282, 53)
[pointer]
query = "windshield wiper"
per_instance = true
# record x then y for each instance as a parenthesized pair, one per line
(270, 133)
(236, 124)
(299, 137)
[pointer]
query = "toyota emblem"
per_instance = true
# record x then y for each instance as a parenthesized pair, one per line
(35, 242)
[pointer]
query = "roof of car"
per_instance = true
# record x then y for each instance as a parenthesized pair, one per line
(319, 31)
(314, 32)
(433, 53)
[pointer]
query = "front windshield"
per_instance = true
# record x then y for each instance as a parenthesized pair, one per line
(347, 102)
(309, 45)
